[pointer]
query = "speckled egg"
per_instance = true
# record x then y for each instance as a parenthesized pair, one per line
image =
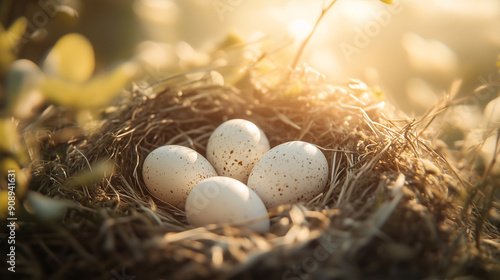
(219, 200)
(235, 147)
(292, 172)
(171, 171)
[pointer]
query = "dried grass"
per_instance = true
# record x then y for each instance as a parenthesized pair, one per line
(392, 208)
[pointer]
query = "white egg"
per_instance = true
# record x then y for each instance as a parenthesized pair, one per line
(170, 172)
(235, 147)
(219, 200)
(289, 173)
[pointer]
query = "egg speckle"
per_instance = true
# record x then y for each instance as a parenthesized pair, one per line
(292, 172)
(171, 171)
(218, 200)
(235, 147)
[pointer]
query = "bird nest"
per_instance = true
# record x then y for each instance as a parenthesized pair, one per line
(390, 209)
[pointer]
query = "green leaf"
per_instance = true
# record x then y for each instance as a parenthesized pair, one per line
(72, 58)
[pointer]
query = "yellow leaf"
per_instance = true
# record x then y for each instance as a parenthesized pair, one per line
(16, 30)
(9, 39)
(72, 58)
(387, 1)
(10, 140)
(294, 88)
(98, 91)
(98, 171)
(377, 92)
(4, 200)
(232, 39)
(9, 165)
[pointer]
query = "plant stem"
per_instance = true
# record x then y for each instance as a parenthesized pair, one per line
(306, 40)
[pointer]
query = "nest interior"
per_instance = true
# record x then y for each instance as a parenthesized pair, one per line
(389, 210)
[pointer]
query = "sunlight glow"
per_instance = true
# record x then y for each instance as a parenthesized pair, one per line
(299, 29)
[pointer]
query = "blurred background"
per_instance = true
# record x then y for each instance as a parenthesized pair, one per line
(64, 62)
(411, 50)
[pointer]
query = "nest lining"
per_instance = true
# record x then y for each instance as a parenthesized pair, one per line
(384, 214)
